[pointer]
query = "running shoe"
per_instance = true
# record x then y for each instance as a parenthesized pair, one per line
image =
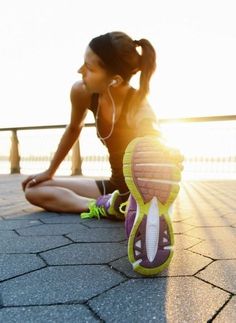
(152, 173)
(106, 206)
(130, 214)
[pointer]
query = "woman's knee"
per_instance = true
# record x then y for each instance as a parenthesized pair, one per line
(33, 196)
(29, 195)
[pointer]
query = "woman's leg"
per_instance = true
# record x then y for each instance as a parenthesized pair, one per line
(70, 195)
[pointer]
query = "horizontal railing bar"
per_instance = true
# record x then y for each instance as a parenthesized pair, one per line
(200, 119)
(166, 120)
(42, 127)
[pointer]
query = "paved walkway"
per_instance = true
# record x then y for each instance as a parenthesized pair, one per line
(59, 268)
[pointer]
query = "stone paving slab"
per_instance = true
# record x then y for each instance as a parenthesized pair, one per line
(62, 218)
(14, 265)
(50, 229)
(31, 244)
(38, 314)
(230, 215)
(211, 221)
(181, 227)
(183, 242)
(221, 273)
(8, 234)
(159, 300)
(94, 223)
(15, 224)
(229, 311)
(98, 235)
(213, 233)
(86, 253)
(14, 210)
(35, 215)
(57, 285)
(48, 217)
(61, 268)
(184, 263)
(220, 250)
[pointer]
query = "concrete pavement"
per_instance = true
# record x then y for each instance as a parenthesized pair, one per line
(60, 268)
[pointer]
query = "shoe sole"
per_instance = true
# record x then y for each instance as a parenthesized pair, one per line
(152, 173)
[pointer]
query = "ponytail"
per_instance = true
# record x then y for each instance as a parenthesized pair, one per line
(147, 66)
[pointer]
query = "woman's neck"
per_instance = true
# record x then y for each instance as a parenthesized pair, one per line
(113, 102)
(118, 94)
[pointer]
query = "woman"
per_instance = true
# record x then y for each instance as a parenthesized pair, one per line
(123, 118)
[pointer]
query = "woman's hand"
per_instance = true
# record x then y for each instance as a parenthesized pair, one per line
(33, 180)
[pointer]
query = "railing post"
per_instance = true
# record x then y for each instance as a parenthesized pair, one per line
(14, 153)
(76, 159)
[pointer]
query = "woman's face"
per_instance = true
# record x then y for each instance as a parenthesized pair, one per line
(95, 78)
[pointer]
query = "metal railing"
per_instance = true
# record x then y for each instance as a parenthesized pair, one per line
(205, 160)
(14, 155)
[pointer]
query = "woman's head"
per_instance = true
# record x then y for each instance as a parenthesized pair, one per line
(117, 56)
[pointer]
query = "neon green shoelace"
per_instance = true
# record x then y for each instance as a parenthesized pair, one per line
(94, 212)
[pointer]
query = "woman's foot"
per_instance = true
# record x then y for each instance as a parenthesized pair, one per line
(106, 206)
(152, 173)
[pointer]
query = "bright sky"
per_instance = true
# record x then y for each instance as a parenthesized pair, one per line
(42, 44)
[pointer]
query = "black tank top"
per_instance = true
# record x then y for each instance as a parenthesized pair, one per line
(121, 136)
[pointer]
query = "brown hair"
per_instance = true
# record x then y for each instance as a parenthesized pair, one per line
(145, 62)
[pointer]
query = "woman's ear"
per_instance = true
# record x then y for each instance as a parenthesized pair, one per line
(116, 81)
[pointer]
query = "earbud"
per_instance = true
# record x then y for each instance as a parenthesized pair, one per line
(113, 82)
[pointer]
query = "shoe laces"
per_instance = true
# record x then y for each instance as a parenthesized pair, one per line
(94, 211)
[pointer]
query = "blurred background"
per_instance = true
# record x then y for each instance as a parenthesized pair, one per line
(42, 46)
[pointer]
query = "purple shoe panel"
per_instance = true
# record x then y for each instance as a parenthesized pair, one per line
(164, 241)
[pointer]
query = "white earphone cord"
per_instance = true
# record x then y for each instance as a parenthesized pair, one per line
(112, 121)
(112, 128)
(110, 133)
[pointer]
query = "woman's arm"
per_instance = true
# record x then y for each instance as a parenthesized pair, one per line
(80, 101)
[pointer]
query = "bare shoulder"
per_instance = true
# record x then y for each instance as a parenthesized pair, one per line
(79, 96)
(80, 102)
